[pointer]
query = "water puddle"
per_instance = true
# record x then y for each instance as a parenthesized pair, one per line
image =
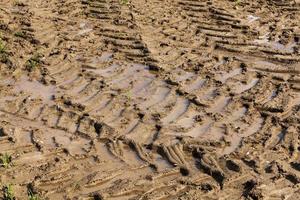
(68, 81)
(188, 120)
(141, 85)
(115, 115)
(129, 72)
(62, 140)
(273, 94)
(22, 137)
(209, 94)
(132, 126)
(238, 114)
(79, 88)
(200, 130)
(5, 99)
(276, 45)
(221, 62)
(79, 147)
(214, 133)
(84, 28)
(31, 157)
(105, 57)
(179, 109)
(236, 139)
(219, 105)
(234, 144)
(142, 133)
(6, 82)
(181, 75)
(197, 84)
(254, 127)
(160, 95)
(103, 103)
(138, 80)
(35, 89)
(223, 77)
(107, 72)
(244, 87)
(252, 18)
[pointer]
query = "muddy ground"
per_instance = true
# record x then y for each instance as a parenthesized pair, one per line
(150, 99)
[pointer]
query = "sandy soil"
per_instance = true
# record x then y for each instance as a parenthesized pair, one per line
(150, 99)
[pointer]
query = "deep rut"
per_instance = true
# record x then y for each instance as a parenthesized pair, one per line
(151, 99)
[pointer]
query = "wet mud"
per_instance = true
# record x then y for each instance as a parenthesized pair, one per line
(150, 99)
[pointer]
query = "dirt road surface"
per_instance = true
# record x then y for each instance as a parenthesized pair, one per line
(150, 99)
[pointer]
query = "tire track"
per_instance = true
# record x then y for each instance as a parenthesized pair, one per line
(175, 116)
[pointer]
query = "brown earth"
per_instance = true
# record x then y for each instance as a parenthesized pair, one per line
(150, 99)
